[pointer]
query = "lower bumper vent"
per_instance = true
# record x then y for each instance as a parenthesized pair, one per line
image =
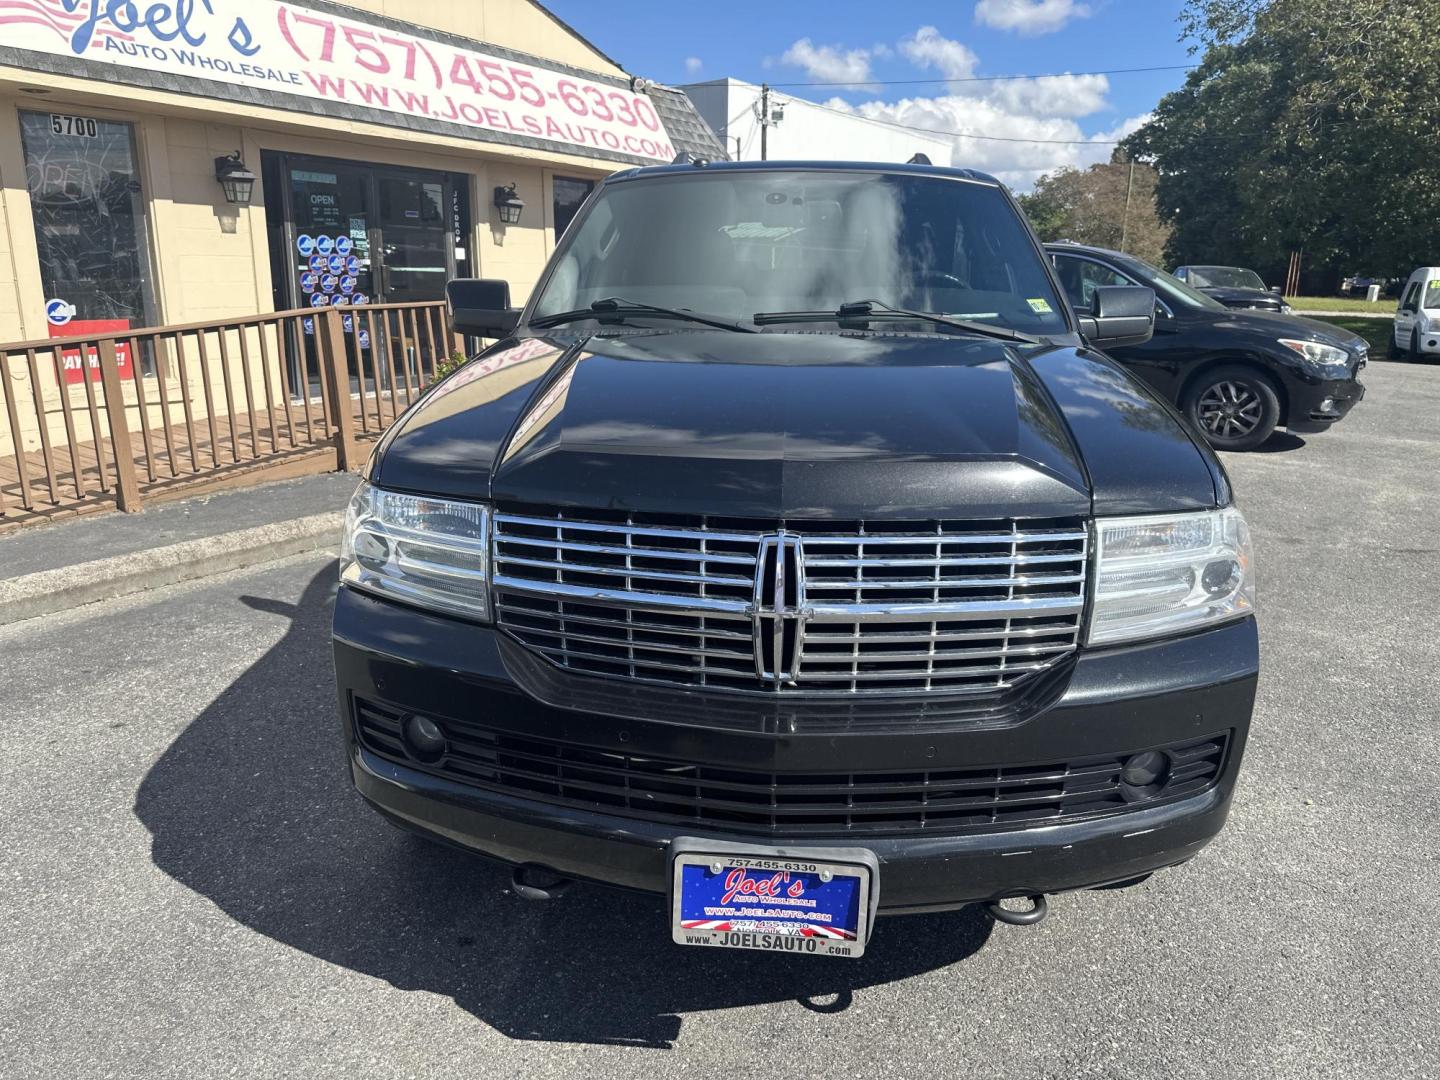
(692, 793)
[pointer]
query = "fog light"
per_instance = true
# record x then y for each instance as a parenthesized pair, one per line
(1144, 775)
(424, 741)
(1328, 405)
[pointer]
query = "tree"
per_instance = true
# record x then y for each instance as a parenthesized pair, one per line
(1308, 125)
(1111, 205)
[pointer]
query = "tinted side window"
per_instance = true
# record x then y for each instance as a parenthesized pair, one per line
(1080, 278)
(1409, 301)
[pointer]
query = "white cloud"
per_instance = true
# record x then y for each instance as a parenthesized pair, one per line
(1029, 17)
(828, 63)
(693, 64)
(1037, 120)
(1041, 143)
(927, 49)
(1053, 95)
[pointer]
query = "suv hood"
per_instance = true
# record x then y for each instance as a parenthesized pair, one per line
(775, 425)
(1273, 325)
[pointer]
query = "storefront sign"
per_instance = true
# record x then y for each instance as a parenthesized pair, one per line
(295, 50)
(70, 358)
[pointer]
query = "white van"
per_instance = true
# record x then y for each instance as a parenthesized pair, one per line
(1417, 319)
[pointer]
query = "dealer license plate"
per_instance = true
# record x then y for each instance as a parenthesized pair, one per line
(778, 904)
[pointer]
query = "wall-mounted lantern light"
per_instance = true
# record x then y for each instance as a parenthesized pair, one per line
(236, 180)
(509, 204)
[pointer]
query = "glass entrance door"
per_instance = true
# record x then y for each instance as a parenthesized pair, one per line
(349, 233)
(331, 221)
(415, 262)
(382, 234)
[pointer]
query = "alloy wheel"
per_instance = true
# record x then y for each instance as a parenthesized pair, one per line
(1230, 410)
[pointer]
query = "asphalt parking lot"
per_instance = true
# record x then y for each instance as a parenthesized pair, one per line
(188, 886)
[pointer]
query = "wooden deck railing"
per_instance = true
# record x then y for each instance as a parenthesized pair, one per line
(115, 419)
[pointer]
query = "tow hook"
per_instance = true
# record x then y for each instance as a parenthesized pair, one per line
(1038, 910)
(536, 883)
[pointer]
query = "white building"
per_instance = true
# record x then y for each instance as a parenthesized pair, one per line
(803, 130)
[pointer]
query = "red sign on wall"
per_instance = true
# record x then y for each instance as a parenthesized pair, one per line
(70, 358)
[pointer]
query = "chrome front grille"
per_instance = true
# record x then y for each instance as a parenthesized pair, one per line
(792, 607)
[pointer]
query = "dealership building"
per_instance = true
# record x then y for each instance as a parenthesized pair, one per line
(166, 163)
(752, 121)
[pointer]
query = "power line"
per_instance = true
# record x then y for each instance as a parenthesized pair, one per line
(990, 78)
(1216, 136)
(997, 138)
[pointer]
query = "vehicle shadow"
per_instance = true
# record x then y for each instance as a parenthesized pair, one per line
(251, 807)
(1281, 442)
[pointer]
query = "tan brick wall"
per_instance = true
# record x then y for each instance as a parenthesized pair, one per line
(22, 303)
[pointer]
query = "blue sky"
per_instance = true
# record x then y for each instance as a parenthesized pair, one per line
(797, 41)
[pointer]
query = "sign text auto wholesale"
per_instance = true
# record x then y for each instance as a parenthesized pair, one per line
(297, 50)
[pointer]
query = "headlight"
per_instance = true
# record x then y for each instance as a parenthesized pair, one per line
(1327, 360)
(426, 551)
(1286, 309)
(1170, 573)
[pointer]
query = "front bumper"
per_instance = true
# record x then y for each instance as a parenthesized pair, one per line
(1316, 406)
(1116, 701)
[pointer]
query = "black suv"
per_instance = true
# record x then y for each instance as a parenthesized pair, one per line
(1234, 286)
(795, 555)
(1237, 375)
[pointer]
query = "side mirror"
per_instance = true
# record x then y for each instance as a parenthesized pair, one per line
(1120, 315)
(1275, 289)
(481, 307)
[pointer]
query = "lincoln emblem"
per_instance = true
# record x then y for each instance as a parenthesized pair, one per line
(778, 609)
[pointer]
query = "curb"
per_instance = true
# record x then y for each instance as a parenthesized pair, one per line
(1344, 314)
(48, 591)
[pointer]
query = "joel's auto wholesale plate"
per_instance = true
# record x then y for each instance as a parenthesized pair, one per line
(774, 899)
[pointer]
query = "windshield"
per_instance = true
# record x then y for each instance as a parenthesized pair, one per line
(1225, 277)
(1170, 288)
(1431, 300)
(737, 243)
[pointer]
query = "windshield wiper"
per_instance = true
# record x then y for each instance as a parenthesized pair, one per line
(869, 309)
(618, 307)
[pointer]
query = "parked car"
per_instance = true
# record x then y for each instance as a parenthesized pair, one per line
(1359, 285)
(738, 573)
(1417, 320)
(1234, 286)
(1236, 375)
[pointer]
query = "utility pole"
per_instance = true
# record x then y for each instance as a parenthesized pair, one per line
(764, 121)
(1125, 219)
(769, 117)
